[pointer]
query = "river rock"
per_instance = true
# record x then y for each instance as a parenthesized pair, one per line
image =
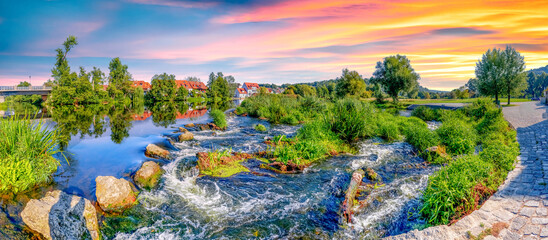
(60, 215)
(190, 125)
(156, 151)
(113, 194)
(183, 130)
(148, 175)
(187, 136)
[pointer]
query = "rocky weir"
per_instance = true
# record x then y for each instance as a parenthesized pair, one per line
(165, 196)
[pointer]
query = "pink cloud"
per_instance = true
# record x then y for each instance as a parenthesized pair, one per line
(175, 3)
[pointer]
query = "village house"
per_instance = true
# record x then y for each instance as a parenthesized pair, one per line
(240, 93)
(191, 85)
(251, 88)
(142, 84)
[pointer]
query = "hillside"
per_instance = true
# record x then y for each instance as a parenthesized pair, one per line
(540, 70)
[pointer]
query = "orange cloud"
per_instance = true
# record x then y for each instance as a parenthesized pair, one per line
(443, 40)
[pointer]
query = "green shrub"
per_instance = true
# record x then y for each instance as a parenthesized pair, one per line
(421, 137)
(425, 113)
(240, 110)
(26, 153)
(218, 117)
(465, 183)
(405, 123)
(479, 107)
(492, 121)
(451, 191)
(458, 136)
(389, 130)
(349, 119)
(501, 155)
(289, 120)
(260, 128)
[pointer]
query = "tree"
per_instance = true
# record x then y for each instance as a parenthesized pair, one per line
(119, 80)
(395, 75)
(63, 92)
(305, 90)
(219, 89)
(514, 75)
(263, 91)
(48, 83)
(323, 92)
(24, 84)
(500, 71)
(97, 79)
(349, 84)
(536, 83)
(193, 79)
(163, 87)
(181, 94)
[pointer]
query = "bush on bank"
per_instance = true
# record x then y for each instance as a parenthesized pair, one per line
(26, 155)
(219, 118)
(465, 183)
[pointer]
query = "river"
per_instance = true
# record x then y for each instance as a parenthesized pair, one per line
(258, 204)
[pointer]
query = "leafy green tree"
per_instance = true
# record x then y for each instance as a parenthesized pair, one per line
(514, 75)
(395, 75)
(536, 83)
(323, 92)
(119, 80)
(181, 94)
(84, 89)
(305, 90)
(24, 84)
(48, 83)
(193, 79)
(500, 71)
(349, 84)
(97, 79)
(472, 84)
(219, 89)
(63, 92)
(163, 87)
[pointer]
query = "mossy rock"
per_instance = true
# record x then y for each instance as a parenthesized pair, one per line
(186, 136)
(148, 175)
(114, 195)
(260, 128)
(153, 150)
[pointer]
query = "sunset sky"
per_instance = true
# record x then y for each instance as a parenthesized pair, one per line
(269, 41)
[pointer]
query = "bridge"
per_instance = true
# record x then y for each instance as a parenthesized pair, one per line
(33, 90)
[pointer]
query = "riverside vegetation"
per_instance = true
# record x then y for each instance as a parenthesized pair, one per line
(475, 145)
(27, 153)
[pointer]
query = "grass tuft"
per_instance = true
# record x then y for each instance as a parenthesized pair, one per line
(26, 154)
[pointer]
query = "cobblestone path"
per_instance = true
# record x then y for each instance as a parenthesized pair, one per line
(520, 208)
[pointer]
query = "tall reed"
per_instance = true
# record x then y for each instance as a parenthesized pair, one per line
(26, 153)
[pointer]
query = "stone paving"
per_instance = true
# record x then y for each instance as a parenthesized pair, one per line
(520, 207)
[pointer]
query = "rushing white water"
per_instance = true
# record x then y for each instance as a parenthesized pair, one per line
(265, 205)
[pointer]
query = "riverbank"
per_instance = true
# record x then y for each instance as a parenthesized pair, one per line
(520, 208)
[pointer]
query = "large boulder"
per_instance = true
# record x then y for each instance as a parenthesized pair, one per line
(153, 150)
(113, 194)
(60, 215)
(148, 175)
(186, 136)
